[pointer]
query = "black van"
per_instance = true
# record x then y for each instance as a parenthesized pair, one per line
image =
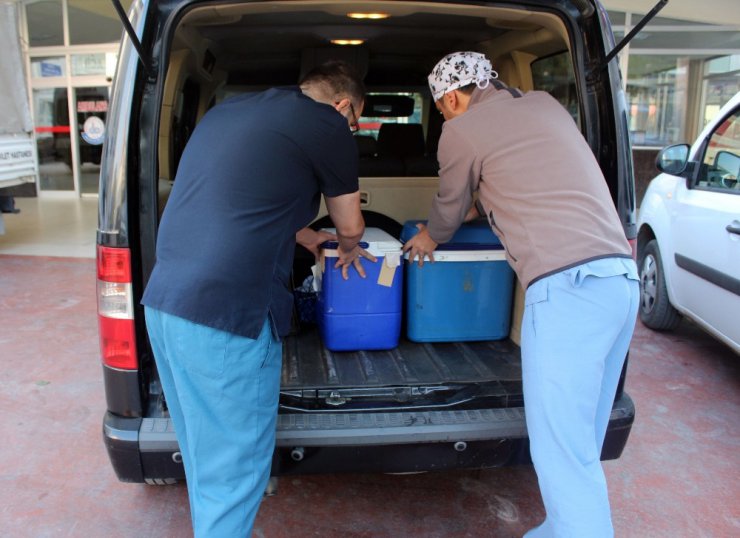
(420, 406)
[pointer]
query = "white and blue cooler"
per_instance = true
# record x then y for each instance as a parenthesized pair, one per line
(466, 294)
(361, 313)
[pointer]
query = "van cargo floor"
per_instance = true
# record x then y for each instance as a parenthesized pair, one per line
(307, 364)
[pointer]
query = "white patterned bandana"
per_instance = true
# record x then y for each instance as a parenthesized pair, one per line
(460, 69)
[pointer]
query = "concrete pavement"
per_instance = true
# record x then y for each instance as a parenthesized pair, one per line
(678, 477)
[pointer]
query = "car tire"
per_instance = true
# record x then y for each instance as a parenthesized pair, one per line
(656, 310)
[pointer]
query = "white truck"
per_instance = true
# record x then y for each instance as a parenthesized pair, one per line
(17, 154)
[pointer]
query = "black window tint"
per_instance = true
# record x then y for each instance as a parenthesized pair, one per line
(554, 74)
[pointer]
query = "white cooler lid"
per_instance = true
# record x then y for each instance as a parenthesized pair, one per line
(379, 243)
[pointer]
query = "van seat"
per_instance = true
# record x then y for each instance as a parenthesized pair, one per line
(370, 164)
(399, 151)
(367, 146)
(401, 140)
(405, 142)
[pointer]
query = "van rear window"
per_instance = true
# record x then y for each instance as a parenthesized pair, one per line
(370, 125)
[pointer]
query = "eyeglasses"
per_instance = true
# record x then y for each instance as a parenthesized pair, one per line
(354, 125)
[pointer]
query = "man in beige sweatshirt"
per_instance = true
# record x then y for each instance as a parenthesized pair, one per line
(543, 193)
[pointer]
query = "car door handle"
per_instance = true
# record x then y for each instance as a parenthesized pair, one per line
(733, 228)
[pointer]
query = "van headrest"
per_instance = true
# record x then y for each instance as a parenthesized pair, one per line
(401, 140)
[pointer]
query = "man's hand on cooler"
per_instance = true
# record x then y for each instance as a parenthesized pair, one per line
(421, 245)
(352, 258)
(312, 240)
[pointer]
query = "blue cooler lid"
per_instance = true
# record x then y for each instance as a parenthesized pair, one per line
(476, 235)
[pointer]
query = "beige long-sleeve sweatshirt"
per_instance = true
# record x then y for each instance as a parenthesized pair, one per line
(538, 182)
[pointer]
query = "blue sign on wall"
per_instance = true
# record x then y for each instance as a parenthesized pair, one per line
(50, 70)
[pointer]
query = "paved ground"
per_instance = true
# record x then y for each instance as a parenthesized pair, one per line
(678, 477)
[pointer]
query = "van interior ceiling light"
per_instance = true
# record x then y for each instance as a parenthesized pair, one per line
(372, 16)
(347, 41)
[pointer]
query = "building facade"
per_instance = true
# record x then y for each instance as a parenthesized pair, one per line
(70, 48)
(678, 72)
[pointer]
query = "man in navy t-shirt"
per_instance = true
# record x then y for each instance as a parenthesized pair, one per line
(218, 300)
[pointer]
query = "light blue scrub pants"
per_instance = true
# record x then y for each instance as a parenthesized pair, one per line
(222, 392)
(576, 330)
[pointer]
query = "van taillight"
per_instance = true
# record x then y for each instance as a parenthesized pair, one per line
(115, 309)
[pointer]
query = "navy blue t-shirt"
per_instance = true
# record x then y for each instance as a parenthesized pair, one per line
(250, 177)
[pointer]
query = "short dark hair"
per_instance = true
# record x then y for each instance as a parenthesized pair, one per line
(338, 77)
(468, 89)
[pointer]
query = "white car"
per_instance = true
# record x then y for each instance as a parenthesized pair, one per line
(688, 244)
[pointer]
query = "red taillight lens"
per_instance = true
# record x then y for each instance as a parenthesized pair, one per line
(115, 309)
(114, 264)
(118, 343)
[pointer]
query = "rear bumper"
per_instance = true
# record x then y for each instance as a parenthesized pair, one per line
(360, 442)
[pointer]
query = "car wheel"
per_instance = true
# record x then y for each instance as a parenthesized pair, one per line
(656, 310)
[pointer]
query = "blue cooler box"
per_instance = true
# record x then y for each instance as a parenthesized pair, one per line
(362, 313)
(466, 294)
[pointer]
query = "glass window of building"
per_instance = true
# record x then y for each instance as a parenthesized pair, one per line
(48, 67)
(657, 90)
(94, 21)
(721, 83)
(45, 23)
(92, 108)
(616, 18)
(88, 64)
(53, 139)
(686, 40)
(70, 87)
(666, 65)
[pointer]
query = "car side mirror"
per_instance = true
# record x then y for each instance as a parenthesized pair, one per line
(673, 160)
(727, 162)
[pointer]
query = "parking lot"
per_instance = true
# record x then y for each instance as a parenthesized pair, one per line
(679, 475)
